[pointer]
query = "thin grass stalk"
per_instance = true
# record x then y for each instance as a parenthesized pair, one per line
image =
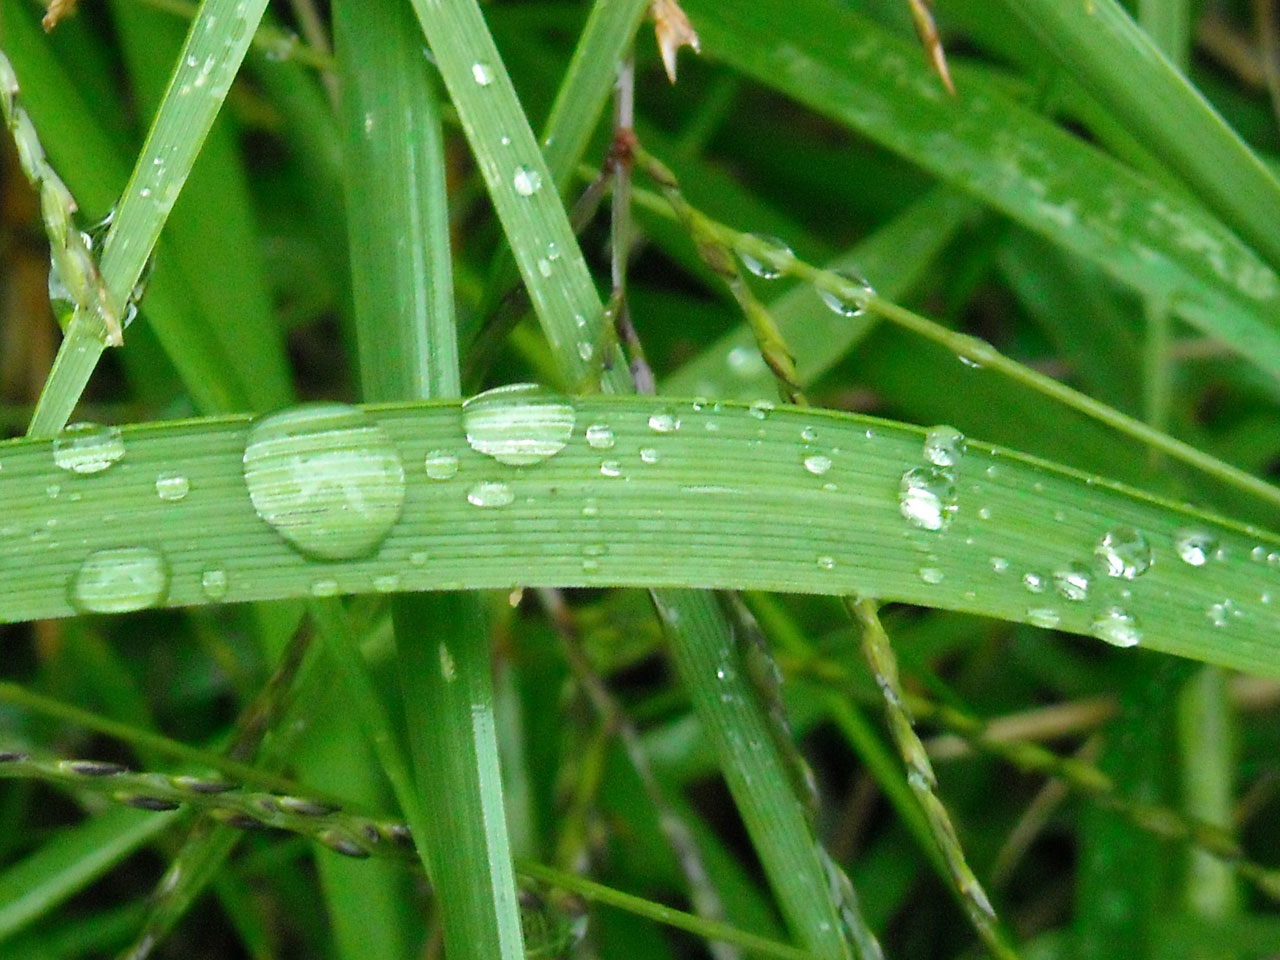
(924, 784)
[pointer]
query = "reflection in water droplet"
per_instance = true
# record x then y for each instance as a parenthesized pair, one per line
(1195, 547)
(441, 465)
(853, 299)
(1117, 628)
(927, 497)
(519, 424)
(769, 266)
(817, 463)
(944, 446)
(214, 583)
(121, 580)
(1123, 552)
(326, 477)
(490, 493)
(87, 447)
(1072, 582)
(600, 437)
(664, 422)
(172, 486)
(527, 181)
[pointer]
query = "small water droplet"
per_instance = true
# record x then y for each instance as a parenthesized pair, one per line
(931, 575)
(827, 563)
(611, 468)
(88, 447)
(1218, 613)
(1117, 627)
(817, 463)
(1034, 582)
(808, 434)
(852, 299)
(120, 580)
(1045, 617)
(53, 490)
(585, 350)
(590, 508)
(441, 465)
(1195, 547)
(324, 588)
(944, 446)
(172, 486)
(214, 583)
(387, 583)
(490, 493)
(1123, 552)
(527, 181)
(418, 558)
(482, 74)
(544, 267)
(1072, 582)
(326, 477)
(760, 409)
(648, 454)
(772, 261)
(927, 497)
(448, 669)
(664, 422)
(999, 564)
(519, 424)
(600, 437)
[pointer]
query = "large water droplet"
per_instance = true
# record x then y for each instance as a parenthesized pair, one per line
(600, 437)
(768, 266)
(120, 580)
(326, 477)
(519, 424)
(1195, 547)
(851, 301)
(1117, 628)
(172, 486)
(441, 465)
(944, 446)
(87, 447)
(527, 181)
(1123, 552)
(927, 497)
(490, 493)
(1072, 582)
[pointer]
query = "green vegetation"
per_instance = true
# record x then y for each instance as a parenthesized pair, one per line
(856, 539)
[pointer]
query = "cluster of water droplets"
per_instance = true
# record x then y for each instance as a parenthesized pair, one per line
(927, 494)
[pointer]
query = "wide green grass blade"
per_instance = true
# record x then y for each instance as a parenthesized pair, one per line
(689, 518)
(985, 143)
(1121, 66)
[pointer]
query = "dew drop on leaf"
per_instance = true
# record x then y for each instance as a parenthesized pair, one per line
(120, 580)
(441, 465)
(768, 266)
(927, 497)
(944, 446)
(1123, 552)
(851, 301)
(1195, 547)
(518, 424)
(1117, 627)
(490, 493)
(88, 447)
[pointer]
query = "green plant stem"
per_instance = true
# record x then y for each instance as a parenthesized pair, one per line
(924, 784)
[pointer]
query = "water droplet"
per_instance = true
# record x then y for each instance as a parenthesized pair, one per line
(769, 265)
(827, 563)
(326, 477)
(1034, 582)
(324, 588)
(931, 575)
(87, 447)
(1123, 552)
(387, 583)
(999, 564)
(760, 409)
(927, 497)
(852, 299)
(1045, 617)
(817, 463)
(1072, 582)
(490, 493)
(664, 422)
(519, 424)
(600, 437)
(745, 362)
(590, 508)
(418, 558)
(482, 74)
(120, 580)
(808, 434)
(585, 350)
(611, 468)
(1117, 628)
(448, 669)
(1218, 613)
(944, 446)
(527, 181)
(544, 267)
(214, 583)
(441, 465)
(649, 455)
(172, 486)
(1195, 547)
